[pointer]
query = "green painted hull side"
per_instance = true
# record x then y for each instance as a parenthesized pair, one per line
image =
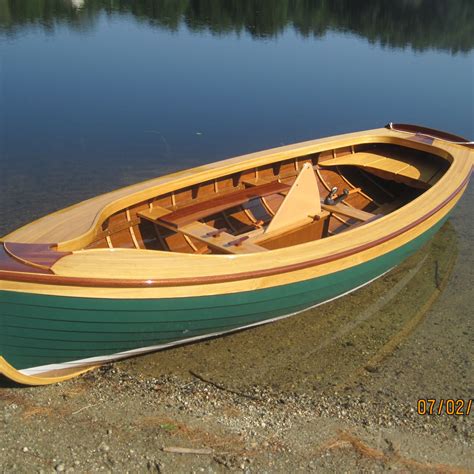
(37, 330)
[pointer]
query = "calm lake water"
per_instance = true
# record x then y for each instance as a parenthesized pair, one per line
(97, 94)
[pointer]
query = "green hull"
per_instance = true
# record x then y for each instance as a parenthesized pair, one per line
(38, 330)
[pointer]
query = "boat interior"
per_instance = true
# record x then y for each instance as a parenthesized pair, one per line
(276, 205)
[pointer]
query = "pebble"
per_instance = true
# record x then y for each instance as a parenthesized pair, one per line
(104, 447)
(60, 467)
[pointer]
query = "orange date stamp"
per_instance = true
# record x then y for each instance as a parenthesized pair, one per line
(444, 406)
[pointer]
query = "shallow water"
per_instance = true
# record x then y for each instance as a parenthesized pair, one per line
(96, 95)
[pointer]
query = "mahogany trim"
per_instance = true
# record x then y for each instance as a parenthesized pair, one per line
(11, 264)
(130, 283)
(41, 256)
(429, 132)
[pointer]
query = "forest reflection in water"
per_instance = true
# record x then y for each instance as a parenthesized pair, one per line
(418, 24)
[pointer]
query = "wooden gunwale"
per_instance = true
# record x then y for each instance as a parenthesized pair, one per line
(141, 283)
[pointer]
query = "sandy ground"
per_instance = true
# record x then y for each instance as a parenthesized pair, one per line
(333, 389)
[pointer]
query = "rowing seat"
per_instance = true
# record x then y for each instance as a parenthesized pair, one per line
(194, 212)
(217, 239)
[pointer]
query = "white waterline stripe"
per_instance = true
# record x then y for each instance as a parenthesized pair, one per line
(123, 355)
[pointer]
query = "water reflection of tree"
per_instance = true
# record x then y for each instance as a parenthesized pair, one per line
(420, 24)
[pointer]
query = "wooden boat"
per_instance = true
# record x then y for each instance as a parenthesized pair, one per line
(221, 247)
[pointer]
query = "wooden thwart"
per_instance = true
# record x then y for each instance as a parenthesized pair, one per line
(223, 242)
(217, 239)
(200, 210)
(348, 211)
